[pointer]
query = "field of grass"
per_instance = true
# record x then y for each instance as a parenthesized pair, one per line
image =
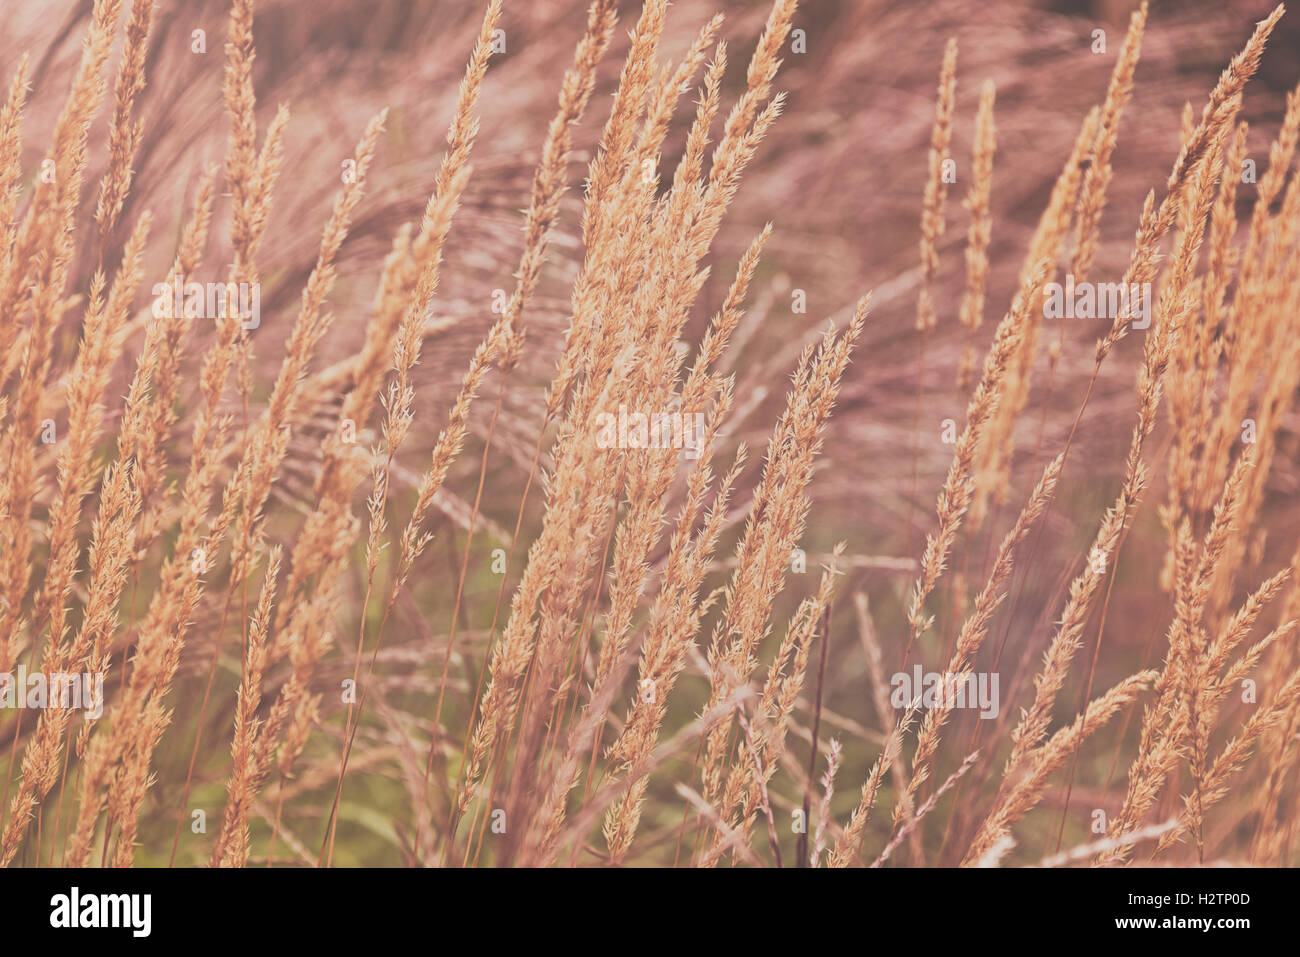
(607, 434)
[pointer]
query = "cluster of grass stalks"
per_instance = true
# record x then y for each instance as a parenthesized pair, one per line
(288, 670)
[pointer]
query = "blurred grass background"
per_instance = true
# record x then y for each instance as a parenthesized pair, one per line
(841, 178)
